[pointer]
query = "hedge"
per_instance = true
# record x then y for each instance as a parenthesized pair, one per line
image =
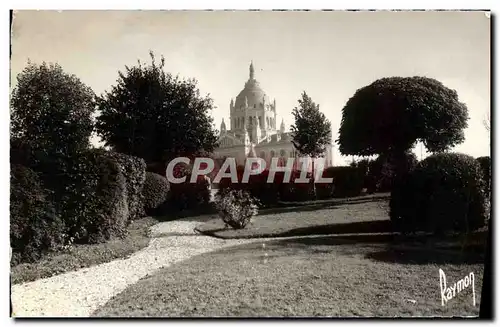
(381, 171)
(134, 171)
(485, 163)
(95, 204)
(35, 227)
(154, 193)
(445, 192)
(189, 195)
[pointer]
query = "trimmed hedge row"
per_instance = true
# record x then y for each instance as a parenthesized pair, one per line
(134, 171)
(92, 196)
(347, 182)
(35, 226)
(189, 195)
(94, 202)
(445, 192)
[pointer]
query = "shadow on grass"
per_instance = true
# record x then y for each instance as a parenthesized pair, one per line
(337, 201)
(168, 213)
(336, 240)
(361, 229)
(420, 256)
(390, 249)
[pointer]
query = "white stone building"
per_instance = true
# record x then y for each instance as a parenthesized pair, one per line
(253, 128)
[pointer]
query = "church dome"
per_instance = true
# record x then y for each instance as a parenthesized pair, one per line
(252, 94)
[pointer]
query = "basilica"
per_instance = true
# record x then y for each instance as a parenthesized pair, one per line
(253, 131)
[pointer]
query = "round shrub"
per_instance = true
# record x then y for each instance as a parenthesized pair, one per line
(445, 192)
(94, 201)
(155, 192)
(134, 171)
(34, 225)
(236, 207)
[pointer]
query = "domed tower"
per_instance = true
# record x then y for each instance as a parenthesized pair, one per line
(253, 109)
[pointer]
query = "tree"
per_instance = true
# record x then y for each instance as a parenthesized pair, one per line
(312, 132)
(390, 115)
(155, 116)
(51, 111)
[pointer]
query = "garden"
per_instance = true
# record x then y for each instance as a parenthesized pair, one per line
(370, 243)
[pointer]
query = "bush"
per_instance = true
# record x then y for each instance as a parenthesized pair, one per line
(485, 163)
(154, 192)
(52, 110)
(236, 207)
(94, 202)
(189, 195)
(269, 194)
(295, 191)
(34, 225)
(445, 192)
(381, 171)
(134, 171)
(347, 181)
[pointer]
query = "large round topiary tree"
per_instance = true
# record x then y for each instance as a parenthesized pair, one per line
(390, 115)
(445, 192)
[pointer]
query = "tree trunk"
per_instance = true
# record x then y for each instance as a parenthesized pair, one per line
(313, 181)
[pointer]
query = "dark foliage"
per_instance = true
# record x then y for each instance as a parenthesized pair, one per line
(269, 194)
(294, 191)
(382, 171)
(155, 116)
(347, 181)
(51, 111)
(94, 201)
(236, 207)
(485, 163)
(35, 227)
(155, 192)
(189, 195)
(134, 171)
(392, 114)
(445, 192)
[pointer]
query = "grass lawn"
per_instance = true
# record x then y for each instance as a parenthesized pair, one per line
(83, 256)
(310, 276)
(362, 217)
(334, 275)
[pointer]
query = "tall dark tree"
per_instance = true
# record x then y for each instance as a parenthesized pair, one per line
(156, 116)
(390, 115)
(51, 111)
(312, 132)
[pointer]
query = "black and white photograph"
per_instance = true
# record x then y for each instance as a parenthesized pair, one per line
(250, 164)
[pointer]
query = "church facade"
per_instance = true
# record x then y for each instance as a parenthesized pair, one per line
(252, 130)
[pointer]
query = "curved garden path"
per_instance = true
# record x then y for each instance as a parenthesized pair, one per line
(79, 293)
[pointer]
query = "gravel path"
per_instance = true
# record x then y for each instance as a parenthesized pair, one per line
(79, 293)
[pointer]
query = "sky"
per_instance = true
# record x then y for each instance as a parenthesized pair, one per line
(327, 54)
